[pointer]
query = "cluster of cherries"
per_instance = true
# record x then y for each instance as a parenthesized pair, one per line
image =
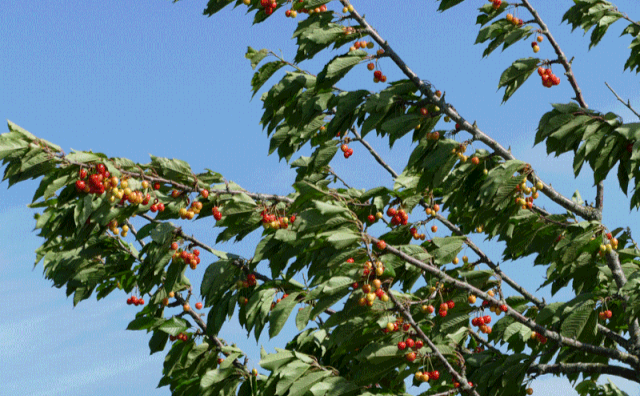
(181, 337)
(548, 78)
(415, 234)
(249, 282)
(362, 44)
(496, 4)
(537, 336)
(96, 182)
(515, 20)
(398, 217)
(216, 213)
(273, 304)
(374, 289)
(135, 301)
(481, 323)
(534, 44)
(608, 247)
(275, 222)
(348, 151)
(192, 258)
(604, 315)
(425, 376)
(522, 189)
(409, 342)
(445, 307)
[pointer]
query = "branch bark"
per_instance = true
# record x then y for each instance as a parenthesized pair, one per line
(589, 348)
(459, 377)
(425, 88)
(584, 368)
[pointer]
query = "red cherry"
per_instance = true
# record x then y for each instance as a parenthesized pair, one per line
(487, 319)
(402, 345)
(156, 186)
(371, 218)
(350, 260)
(80, 185)
(503, 308)
(430, 309)
(419, 344)
(411, 356)
(406, 327)
(377, 74)
(101, 168)
(161, 207)
(198, 305)
(174, 246)
(410, 343)
(154, 208)
(434, 228)
(83, 173)
(442, 313)
(434, 374)
(381, 245)
(609, 314)
(456, 384)
(129, 302)
(451, 304)
(444, 306)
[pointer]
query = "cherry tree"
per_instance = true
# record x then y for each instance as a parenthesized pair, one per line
(376, 310)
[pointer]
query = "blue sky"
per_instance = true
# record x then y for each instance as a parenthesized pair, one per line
(152, 77)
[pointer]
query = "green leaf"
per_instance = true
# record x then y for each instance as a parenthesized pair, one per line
(173, 326)
(263, 74)
(338, 67)
(516, 75)
(281, 313)
(302, 318)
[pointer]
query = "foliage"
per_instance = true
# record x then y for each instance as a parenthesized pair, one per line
(349, 332)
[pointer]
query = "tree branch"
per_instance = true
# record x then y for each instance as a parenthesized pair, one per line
(425, 88)
(459, 377)
(584, 368)
(628, 103)
(589, 348)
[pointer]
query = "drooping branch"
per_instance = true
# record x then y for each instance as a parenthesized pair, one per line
(425, 88)
(584, 368)
(561, 56)
(589, 348)
(459, 377)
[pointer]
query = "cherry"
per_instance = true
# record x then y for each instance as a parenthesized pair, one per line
(82, 173)
(371, 66)
(186, 307)
(220, 360)
(442, 313)
(156, 186)
(141, 301)
(80, 185)
(487, 319)
(609, 314)
(174, 246)
(381, 245)
(419, 344)
(410, 343)
(350, 260)
(411, 356)
(402, 345)
(377, 74)
(504, 308)
(434, 228)
(471, 299)
(198, 305)
(434, 374)
(451, 304)
(101, 168)
(529, 391)
(371, 218)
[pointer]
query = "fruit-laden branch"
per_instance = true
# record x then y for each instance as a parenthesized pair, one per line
(460, 378)
(612, 259)
(183, 187)
(561, 56)
(455, 229)
(203, 326)
(589, 348)
(238, 261)
(583, 211)
(526, 294)
(483, 341)
(584, 368)
(562, 59)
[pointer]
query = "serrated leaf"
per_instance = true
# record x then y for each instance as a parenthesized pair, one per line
(515, 75)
